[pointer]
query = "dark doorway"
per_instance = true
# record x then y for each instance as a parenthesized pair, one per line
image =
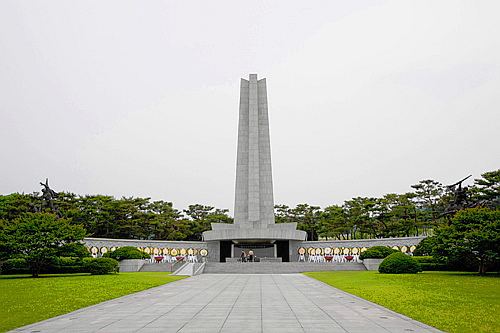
(262, 250)
(225, 250)
(282, 249)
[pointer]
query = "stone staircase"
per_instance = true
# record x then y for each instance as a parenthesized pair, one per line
(161, 267)
(278, 267)
(190, 269)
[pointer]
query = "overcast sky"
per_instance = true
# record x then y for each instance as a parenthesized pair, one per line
(140, 98)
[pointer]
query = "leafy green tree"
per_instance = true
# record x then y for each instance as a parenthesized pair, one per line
(428, 197)
(178, 229)
(487, 189)
(74, 250)
(307, 218)
(283, 214)
(95, 213)
(14, 205)
(474, 234)
(360, 212)
(201, 217)
(38, 237)
(425, 247)
(162, 222)
(333, 223)
(395, 215)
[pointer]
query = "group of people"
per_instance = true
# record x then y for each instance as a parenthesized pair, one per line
(247, 257)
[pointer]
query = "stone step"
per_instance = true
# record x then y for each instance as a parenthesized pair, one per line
(278, 267)
(161, 267)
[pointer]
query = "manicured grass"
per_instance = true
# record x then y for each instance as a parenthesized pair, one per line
(25, 300)
(450, 301)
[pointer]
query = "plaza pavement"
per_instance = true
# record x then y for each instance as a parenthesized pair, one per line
(234, 303)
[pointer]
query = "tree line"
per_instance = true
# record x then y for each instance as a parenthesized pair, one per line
(427, 206)
(130, 218)
(420, 211)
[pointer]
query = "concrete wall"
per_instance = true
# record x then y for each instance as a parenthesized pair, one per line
(131, 265)
(108, 243)
(213, 251)
(372, 264)
(357, 243)
(213, 247)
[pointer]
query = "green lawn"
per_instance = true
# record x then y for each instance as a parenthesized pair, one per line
(25, 300)
(450, 301)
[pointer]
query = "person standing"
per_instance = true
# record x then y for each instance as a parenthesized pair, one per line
(243, 256)
(250, 255)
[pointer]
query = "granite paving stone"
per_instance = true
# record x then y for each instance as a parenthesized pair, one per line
(234, 303)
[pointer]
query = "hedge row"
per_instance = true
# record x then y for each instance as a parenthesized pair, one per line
(61, 265)
(429, 263)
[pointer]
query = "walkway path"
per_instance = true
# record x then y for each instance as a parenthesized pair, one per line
(235, 303)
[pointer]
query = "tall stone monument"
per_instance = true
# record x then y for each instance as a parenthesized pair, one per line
(254, 224)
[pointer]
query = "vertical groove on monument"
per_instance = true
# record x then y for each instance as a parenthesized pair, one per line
(241, 193)
(254, 203)
(253, 152)
(266, 177)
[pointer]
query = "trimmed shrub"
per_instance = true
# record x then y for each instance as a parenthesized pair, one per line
(65, 265)
(15, 266)
(127, 252)
(58, 265)
(100, 266)
(429, 263)
(399, 263)
(377, 252)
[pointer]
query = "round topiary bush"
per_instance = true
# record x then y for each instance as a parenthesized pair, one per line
(127, 252)
(399, 263)
(100, 266)
(377, 252)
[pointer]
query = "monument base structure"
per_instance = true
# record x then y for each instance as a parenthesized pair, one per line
(274, 241)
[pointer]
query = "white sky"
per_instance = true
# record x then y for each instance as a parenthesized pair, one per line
(141, 97)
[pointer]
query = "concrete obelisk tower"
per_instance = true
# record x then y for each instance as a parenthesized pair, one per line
(254, 223)
(254, 204)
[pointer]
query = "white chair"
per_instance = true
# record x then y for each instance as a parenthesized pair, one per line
(302, 257)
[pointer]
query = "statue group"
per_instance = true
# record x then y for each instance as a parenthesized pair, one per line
(47, 199)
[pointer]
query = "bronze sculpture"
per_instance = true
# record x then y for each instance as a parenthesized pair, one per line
(48, 196)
